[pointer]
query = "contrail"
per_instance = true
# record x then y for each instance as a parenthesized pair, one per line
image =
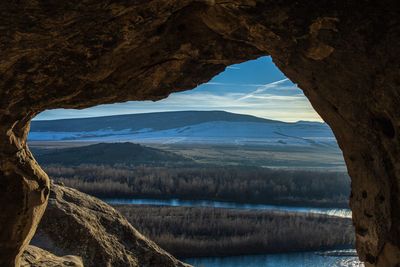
(262, 89)
(233, 68)
(234, 84)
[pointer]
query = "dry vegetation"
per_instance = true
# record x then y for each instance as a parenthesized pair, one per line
(196, 181)
(196, 232)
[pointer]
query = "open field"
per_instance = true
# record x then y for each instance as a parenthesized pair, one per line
(325, 158)
(287, 157)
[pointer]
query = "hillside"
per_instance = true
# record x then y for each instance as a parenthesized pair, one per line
(155, 121)
(107, 153)
(194, 127)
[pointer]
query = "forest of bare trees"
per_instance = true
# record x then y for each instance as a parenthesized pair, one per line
(224, 183)
(195, 232)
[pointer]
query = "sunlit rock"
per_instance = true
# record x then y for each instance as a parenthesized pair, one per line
(78, 224)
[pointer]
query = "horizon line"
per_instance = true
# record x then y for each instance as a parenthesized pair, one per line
(171, 111)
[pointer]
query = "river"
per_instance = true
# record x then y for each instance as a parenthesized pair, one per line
(228, 205)
(298, 259)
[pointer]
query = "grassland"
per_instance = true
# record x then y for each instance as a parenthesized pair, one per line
(283, 157)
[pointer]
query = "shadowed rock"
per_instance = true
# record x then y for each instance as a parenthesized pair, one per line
(78, 224)
(37, 257)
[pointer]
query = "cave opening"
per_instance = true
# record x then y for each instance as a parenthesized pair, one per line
(244, 156)
(342, 54)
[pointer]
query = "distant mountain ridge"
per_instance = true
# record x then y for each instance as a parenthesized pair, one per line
(135, 122)
(185, 127)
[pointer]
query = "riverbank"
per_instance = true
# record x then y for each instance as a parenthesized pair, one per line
(194, 181)
(345, 213)
(204, 232)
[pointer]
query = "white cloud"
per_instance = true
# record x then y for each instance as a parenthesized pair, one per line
(262, 102)
(287, 108)
(241, 91)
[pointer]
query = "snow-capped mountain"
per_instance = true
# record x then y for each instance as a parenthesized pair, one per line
(209, 127)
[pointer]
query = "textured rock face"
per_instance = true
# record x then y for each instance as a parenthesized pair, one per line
(343, 54)
(78, 224)
(36, 257)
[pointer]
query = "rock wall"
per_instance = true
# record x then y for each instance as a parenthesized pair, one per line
(78, 224)
(75, 54)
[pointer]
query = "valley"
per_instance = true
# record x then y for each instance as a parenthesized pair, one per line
(205, 173)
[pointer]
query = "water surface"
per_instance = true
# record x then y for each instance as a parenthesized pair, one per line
(228, 205)
(298, 259)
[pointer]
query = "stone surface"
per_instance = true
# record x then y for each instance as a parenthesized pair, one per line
(79, 53)
(37, 257)
(77, 224)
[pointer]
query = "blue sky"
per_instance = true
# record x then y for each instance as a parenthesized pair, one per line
(255, 87)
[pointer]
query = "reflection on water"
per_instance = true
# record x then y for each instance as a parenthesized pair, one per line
(229, 205)
(299, 259)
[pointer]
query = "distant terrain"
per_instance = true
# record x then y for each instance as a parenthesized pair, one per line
(107, 153)
(126, 170)
(199, 127)
(204, 136)
(194, 155)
